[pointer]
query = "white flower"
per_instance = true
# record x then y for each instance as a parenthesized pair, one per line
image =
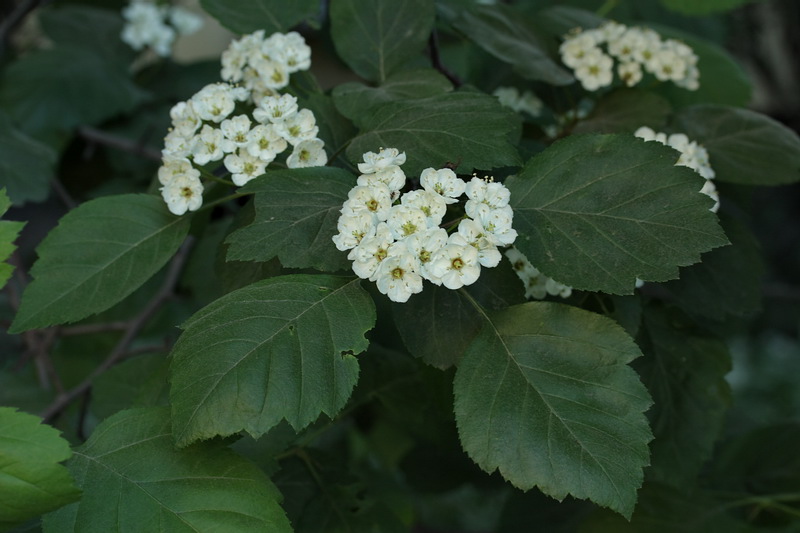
(175, 166)
(301, 126)
(497, 225)
(236, 131)
(244, 167)
(710, 190)
(483, 194)
(511, 98)
(184, 119)
(353, 228)
(456, 265)
(648, 134)
(291, 49)
(385, 158)
(397, 279)
(392, 176)
(184, 21)
(667, 65)
(423, 246)
(310, 153)
(207, 145)
(574, 50)
(474, 234)
(371, 251)
(537, 285)
(145, 27)
(404, 220)
(630, 73)
(214, 102)
(177, 144)
(374, 199)
(183, 193)
(265, 143)
(235, 57)
(595, 70)
(430, 203)
(272, 73)
(275, 108)
(443, 182)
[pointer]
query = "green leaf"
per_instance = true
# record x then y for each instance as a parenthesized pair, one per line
(744, 146)
(625, 111)
(32, 481)
(90, 27)
(133, 479)
(137, 382)
(281, 348)
(685, 372)
(728, 281)
(466, 127)
(706, 7)
(375, 39)
(26, 165)
(505, 33)
(334, 128)
(296, 215)
(51, 91)
(597, 211)
(356, 100)
(99, 253)
(9, 230)
(246, 16)
(544, 394)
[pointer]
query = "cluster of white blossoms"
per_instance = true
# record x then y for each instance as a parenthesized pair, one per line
(263, 64)
(211, 126)
(692, 155)
(397, 240)
(592, 54)
(157, 26)
(537, 285)
(511, 97)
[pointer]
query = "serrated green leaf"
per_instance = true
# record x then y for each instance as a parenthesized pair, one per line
(625, 111)
(727, 281)
(91, 27)
(545, 396)
(9, 230)
(598, 211)
(466, 127)
(278, 349)
(26, 165)
(246, 16)
(133, 479)
(32, 481)
(296, 215)
(99, 253)
(706, 7)
(505, 33)
(51, 91)
(685, 373)
(356, 100)
(375, 39)
(137, 382)
(334, 128)
(744, 146)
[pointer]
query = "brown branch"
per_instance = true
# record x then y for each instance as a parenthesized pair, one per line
(120, 351)
(107, 139)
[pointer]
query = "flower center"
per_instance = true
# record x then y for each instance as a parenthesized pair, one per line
(458, 263)
(409, 228)
(424, 256)
(397, 273)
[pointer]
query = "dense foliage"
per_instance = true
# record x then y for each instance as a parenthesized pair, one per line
(399, 265)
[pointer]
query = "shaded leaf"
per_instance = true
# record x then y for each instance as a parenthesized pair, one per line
(133, 479)
(26, 165)
(9, 230)
(707, 7)
(685, 373)
(506, 34)
(544, 394)
(99, 253)
(246, 16)
(281, 348)
(90, 27)
(744, 146)
(625, 111)
(334, 128)
(466, 127)
(296, 215)
(137, 382)
(356, 100)
(375, 40)
(598, 211)
(32, 481)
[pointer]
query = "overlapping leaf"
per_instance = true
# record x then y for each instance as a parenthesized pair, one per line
(31, 479)
(98, 254)
(9, 230)
(506, 34)
(375, 39)
(544, 394)
(245, 16)
(744, 146)
(26, 165)
(133, 479)
(625, 111)
(296, 215)
(278, 349)
(597, 211)
(685, 373)
(466, 127)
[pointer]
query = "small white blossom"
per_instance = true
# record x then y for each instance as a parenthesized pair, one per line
(537, 285)
(183, 193)
(443, 182)
(374, 199)
(456, 265)
(352, 229)
(244, 167)
(423, 246)
(485, 194)
(184, 21)
(265, 143)
(371, 251)
(430, 203)
(404, 220)
(177, 144)
(387, 157)
(527, 101)
(275, 108)
(310, 153)
(595, 70)
(392, 176)
(497, 225)
(214, 102)
(184, 119)
(475, 235)
(302, 126)
(236, 132)
(630, 73)
(397, 279)
(207, 145)
(173, 166)
(145, 26)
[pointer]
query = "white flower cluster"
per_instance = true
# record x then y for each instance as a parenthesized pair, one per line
(263, 65)
(693, 155)
(396, 240)
(156, 26)
(537, 285)
(635, 50)
(527, 101)
(210, 127)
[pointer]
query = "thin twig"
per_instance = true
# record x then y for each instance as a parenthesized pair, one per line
(436, 60)
(114, 141)
(63, 194)
(134, 327)
(86, 329)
